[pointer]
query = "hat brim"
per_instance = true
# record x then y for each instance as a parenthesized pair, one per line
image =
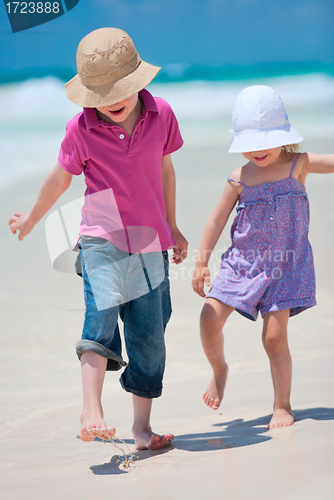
(259, 140)
(111, 93)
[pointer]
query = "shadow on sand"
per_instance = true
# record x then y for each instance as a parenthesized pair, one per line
(239, 433)
(115, 466)
(234, 434)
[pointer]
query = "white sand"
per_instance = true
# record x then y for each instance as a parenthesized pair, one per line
(223, 454)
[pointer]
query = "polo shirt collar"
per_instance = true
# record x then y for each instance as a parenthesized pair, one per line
(149, 101)
(92, 120)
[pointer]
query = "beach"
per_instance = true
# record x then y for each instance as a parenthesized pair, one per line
(228, 453)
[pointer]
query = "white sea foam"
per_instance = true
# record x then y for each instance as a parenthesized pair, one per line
(34, 114)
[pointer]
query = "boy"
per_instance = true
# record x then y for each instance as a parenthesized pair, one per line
(122, 141)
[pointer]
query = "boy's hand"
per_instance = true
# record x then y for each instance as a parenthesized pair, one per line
(19, 222)
(181, 249)
(201, 277)
(52, 188)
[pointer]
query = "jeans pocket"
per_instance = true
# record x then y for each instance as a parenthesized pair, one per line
(88, 243)
(165, 257)
(77, 264)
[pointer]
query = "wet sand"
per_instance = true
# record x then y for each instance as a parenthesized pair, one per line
(216, 454)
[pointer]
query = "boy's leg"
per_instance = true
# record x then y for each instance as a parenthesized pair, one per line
(145, 319)
(93, 368)
(275, 341)
(100, 345)
(213, 317)
(145, 438)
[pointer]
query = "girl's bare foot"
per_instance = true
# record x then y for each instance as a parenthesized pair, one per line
(93, 425)
(215, 391)
(148, 440)
(281, 418)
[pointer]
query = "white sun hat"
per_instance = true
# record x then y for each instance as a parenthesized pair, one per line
(260, 121)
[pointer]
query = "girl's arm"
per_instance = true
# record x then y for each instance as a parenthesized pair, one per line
(169, 190)
(211, 234)
(317, 164)
(52, 188)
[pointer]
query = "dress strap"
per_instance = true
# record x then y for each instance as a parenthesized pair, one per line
(294, 164)
(239, 182)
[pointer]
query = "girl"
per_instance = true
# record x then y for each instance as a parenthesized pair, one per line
(269, 266)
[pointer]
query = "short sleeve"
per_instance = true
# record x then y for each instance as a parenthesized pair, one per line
(173, 140)
(72, 155)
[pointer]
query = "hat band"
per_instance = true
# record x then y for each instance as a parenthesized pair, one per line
(285, 127)
(113, 75)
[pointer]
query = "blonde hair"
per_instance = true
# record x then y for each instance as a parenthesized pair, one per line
(291, 148)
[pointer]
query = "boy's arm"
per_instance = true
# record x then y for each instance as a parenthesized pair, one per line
(211, 234)
(56, 183)
(169, 189)
(317, 164)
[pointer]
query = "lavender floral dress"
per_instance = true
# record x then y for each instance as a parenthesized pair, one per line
(269, 266)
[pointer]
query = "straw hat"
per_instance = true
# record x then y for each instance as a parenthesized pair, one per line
(109, 69)
(260, 121)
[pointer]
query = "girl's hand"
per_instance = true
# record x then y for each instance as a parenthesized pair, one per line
(201, 277)
(19, 222)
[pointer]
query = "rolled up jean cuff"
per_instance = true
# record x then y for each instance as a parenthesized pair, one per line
(137, 392)
(115, 362)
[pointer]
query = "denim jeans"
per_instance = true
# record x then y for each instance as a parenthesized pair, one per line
(134, 287)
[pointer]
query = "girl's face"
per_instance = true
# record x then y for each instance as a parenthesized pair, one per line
(263, 158)
(119, 112)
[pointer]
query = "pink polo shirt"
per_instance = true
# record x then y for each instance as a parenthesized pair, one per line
(124, 200)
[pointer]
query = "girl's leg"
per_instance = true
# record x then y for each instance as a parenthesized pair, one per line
(213, 317)
(275, 341)
(142, 432)
(93, 368)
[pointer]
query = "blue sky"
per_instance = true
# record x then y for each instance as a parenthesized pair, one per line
(182, 31)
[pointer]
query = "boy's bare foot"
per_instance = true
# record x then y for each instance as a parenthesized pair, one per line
(281, 418)
(93, 425)
(215, 391)
(105, 434)
(148, 440)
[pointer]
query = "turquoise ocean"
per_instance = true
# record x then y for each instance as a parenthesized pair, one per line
(34, 111)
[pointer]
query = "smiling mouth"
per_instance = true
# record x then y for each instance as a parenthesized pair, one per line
(117, 111)
(260, 158)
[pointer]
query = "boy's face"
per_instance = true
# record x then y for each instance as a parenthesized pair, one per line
(119, 112)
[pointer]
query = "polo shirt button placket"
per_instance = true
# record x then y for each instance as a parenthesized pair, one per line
(134, 143)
